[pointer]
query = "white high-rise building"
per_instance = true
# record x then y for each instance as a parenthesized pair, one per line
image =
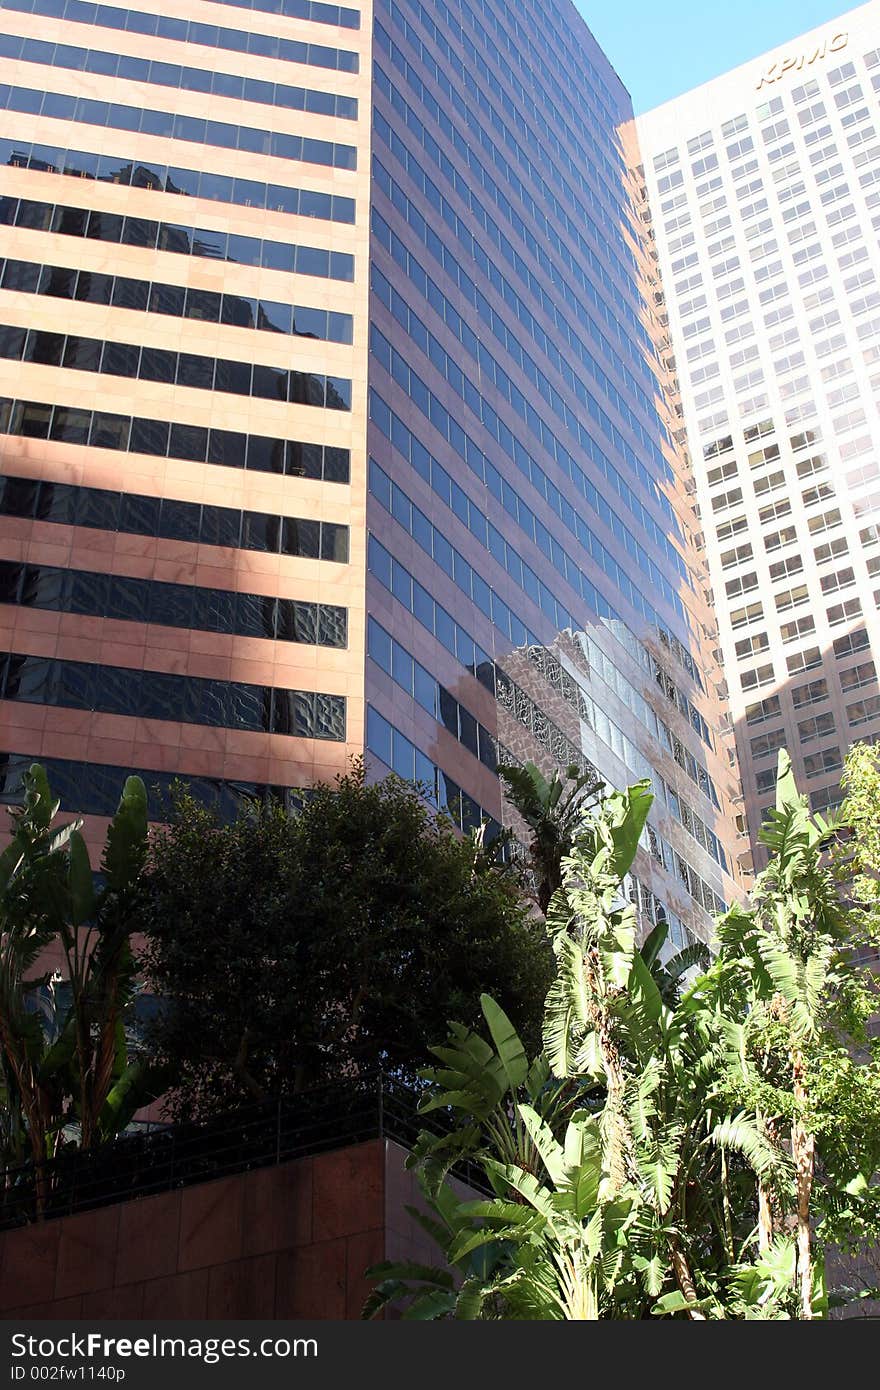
(764, 190)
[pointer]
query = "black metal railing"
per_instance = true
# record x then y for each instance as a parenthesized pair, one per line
(256, 1136)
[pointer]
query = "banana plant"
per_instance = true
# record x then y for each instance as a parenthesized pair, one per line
(65, 1065)
(611, 1158)
(32, 869)
(788, 951)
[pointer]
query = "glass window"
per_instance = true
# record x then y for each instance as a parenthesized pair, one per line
(12, 341)
(239, 311)
(93, 287)
(120, 359)
(167, 299)
(175, 239)
(158, 365)
(149, 437)
(129, 293)
(180, 521)
(109, 431)
(203, 304)
(274, 317)
(44, 347)
(188, 442)
(234, 377)
(227, 447)
(195, 370)
(246, 250)
(57, 281)
(221, 526)
(269, 383)
(139, 515)
(105, 226)
(83, 354)
(265, 455)
(21, 275)
(210, 245)
(31, 419)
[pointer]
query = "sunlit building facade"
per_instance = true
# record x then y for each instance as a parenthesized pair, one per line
(764, 190)
(350, 435)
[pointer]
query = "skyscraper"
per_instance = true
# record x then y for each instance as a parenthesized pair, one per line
(390, 469)
(183, 367)
(764, 189)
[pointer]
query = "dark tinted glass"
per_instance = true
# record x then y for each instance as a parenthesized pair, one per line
(47, 348)
(105, 226)
(12, 341)
(94, 288)
(87, 593)
(239, 311)
(109, 431)
(301, 537)
(138, 231)
(188, 442)
(174, 239)
(274, 317)
(269, 383)
(312, 461)
(20, 275)
(58, 281)
(83, 353)
(234, 377)
(129, 293)
(171, 605)
(245, 250)
(265, 455)
(98, 509)
(119, 688)
(149, 436)
(195, 370)
(70, 426)
(157, 364)
(120, 359)
(167, 299)
(180, 521)
(227, 447)
(221, 526)
(69, 221)
(336, 465)
(260, 532)
(18, 496)
(203, 304)
(30, 418)
(140, 515)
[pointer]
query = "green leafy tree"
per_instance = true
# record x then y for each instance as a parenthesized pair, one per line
(67, 1076)
(297, 948)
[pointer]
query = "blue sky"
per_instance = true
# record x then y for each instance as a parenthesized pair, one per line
(662, 48)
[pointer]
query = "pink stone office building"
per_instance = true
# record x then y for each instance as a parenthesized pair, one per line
(331, 420)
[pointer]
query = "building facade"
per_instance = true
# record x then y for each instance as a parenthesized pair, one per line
(391, 468)
(764, 195)
(184, 244)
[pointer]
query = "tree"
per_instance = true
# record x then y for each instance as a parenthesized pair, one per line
(805, 1007)
(682, 1123)
(293, 949)
(552, 811)
(67, 1076)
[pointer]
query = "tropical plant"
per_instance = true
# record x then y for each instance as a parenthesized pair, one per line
(552, 810)
(661, 1157)
(67, 1076)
